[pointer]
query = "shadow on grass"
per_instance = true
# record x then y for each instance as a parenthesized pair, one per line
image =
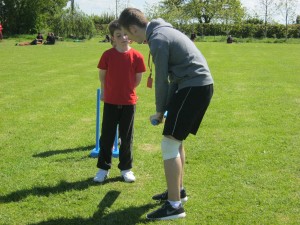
(63, 186)
(63, 151)
(128, 216)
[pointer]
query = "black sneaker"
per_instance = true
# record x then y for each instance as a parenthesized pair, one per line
(164, 196)
(166, 212)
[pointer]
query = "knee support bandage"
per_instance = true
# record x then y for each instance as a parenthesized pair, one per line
(170, 148)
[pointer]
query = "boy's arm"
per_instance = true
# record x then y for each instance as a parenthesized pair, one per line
(138, 78)
(102, 74)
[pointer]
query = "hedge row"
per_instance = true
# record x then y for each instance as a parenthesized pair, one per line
(243, 31)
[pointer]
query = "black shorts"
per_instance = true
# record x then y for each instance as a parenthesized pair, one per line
(186, 111)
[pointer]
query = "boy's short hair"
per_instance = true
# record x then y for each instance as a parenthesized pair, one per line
(132, 16)
(113, 26)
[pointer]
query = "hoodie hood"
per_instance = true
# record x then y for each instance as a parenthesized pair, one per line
(154, 25)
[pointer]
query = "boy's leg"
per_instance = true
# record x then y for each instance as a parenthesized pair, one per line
(126, 130)
(108, 131)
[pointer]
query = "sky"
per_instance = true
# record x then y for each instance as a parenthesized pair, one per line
(98, 7)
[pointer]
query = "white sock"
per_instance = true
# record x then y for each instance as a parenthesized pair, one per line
(175, 204)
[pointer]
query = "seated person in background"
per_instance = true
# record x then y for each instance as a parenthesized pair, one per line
(39, 38)
(193, 36)
(229, 39)
(50, 40)
(107, 38)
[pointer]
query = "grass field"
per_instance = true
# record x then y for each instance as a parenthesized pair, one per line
(243, 167)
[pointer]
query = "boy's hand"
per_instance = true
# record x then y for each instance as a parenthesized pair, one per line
(157, 118)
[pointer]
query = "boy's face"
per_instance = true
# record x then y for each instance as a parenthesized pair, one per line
(119, 38)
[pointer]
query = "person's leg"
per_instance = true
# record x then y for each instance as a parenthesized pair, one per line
(126, 124)
(126, 130)
(109, 125)
(24, 44)
(177, 130)
(185, 113)
(173, 172)
(189, 117)
(164, 196)
(108, 131)
(34, 42)
(182, 158)
(172, 208)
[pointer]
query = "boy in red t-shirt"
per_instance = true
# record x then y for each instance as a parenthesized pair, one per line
(120, 72)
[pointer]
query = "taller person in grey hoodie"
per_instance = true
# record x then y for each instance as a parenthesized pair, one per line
(183, 87)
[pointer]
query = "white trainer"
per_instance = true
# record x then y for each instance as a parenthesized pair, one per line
(101, 175)
(128, 176)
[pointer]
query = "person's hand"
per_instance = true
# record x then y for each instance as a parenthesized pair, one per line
(156, 119)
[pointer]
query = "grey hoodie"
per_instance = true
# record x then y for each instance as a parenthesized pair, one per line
(178, 62)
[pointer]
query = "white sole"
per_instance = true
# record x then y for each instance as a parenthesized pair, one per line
(127, 181)
(98, 181)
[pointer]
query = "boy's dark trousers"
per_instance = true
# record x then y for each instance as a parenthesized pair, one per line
(112, 116)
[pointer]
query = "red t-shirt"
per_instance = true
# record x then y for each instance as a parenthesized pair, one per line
(121, 69)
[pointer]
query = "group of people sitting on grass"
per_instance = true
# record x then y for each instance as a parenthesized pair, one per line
(50, 40)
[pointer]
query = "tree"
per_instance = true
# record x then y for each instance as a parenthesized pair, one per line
(287, 8)
(268, 7)
(204, 11)
(28, 16)
(48, 10)
(19, 16)
(31, 16)
(170, 10)
(101, 22)
(74, 23)
(253, 21)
